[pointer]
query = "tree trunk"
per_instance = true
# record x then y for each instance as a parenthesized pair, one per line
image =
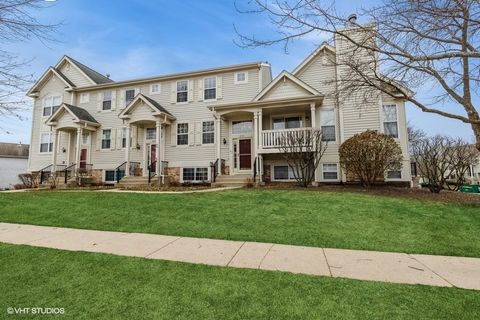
(476, 132)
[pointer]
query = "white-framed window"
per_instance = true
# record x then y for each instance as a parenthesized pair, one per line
(182, 134)
(155, 88)
(107, 100)
(283, 172)
(110, 175)
(85, 138)
(51, 104)
(124, 137)
(182, 91)
(106, 138)
(329, 171)
(208, 132)
(394, 174)
(287, 122)
(327, 124)
(46, 142)
(210, 88)
(390, 120)
(151, 133)
(241, 77)
(242, 127)
(84, 97)
(195, 174)
(129, 96)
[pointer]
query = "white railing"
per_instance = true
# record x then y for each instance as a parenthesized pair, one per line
(273, 138)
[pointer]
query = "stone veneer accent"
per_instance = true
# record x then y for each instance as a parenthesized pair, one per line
(174, 174)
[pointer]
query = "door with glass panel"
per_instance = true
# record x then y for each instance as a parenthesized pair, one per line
(242, 149)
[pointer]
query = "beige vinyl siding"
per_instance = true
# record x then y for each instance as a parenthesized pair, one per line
(285, 89)
(266, 75)
(74, 75)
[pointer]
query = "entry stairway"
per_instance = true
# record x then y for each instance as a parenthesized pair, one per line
(238, 180)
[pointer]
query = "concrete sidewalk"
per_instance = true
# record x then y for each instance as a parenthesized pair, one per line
(354, 264)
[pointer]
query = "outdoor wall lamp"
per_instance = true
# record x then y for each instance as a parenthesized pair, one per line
(138, 146)
(64, 150)
(224, 141)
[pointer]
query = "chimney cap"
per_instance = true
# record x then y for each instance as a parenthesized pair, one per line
(352, 18)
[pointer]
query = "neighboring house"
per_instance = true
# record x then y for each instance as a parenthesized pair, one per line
(13, 161)
(179, 124)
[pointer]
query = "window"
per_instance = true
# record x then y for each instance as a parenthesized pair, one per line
(109, 175)
(390, 125)
(208, 132)
(210, 88)
(182, 91)
(85, 138)
(327, 124)
(283, 173)
(394, 174)
(151, 134)
(330, 171)
(129, 96)
(106, 138)
(107, 100)
(84, 97)
(195, 174)
(50, 105)
(155, 88)
(182, 134)
(241, 77)
(46, 142)
(287, 123)
(124, 137)
(242, 127)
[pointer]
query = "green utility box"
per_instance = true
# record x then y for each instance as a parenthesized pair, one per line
(474, 188)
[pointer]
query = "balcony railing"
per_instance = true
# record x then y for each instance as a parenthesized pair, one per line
(274, 138)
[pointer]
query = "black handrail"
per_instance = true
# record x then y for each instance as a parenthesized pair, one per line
(214, 167)
(152, 169)
(255, 169)
(44, 170)
(85, 170)
(118, 171)
(70, 169)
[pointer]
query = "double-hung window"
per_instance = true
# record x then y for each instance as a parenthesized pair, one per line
(129, 96)
(182, 91)
(151, 133)
(330, 171)
(208, 132)
(287, 122)
(195, 174)
(124, 137)
(46, 143)
(106, 138)
(182, 134)
(390, 124)
(327, 124)
(210, 88)
(107, 100)
(283, 173)
(51, 104)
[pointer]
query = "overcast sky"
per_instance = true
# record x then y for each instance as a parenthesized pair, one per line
(145, 38)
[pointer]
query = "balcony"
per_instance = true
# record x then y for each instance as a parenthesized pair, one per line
(271, 139)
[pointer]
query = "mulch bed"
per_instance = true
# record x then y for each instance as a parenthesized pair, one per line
(389, 191)
(165, 188)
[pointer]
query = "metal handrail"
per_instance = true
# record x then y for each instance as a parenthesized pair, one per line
(44, 170)
(255, 169)
(69, 169)
(118, 171)
(86, 171)
(151, 169)
(214, 167)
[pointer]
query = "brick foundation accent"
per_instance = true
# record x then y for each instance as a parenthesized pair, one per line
(173, 174)
(97, 175)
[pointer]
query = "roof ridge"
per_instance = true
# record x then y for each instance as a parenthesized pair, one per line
(89, 70)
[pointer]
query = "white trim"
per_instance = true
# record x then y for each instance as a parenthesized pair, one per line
(187, 133)
(235, 81)
(311, 56)
(338, 172)
(280, 164)
(159, 88)
(194, 174)
(204, 88)
(67, 58)
(101, 138)
(84, 97)
(201, 133)
(382, 123)
(50, 141)
(186, 91)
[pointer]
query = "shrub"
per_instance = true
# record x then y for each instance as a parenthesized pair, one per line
(368, 155)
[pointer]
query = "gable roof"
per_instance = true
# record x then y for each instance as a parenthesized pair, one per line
(285, 74)
(93, 75)
(78, 113)
(156, 107)
(323, 47)
(49, 71)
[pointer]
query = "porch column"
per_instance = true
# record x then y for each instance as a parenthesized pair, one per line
(127, 150)
(78, 151)
(255, 139)
(158, 132)
(55, 151)
(313, 117)
(218, 143)
(260, 129)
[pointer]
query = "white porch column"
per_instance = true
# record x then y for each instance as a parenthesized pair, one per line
(218, 143)
(55, 151)
(127, 150)
(255, 139)
(260, 129)
(313, 117)
(158, 134)
(78, 151)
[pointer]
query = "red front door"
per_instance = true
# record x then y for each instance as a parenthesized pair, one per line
(245, 154)
(153, 156)
(83, 158)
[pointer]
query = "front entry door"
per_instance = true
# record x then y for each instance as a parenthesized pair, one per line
(83, 158)
(245, 154)
(153, 156)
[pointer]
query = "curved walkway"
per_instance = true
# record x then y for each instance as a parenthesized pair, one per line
(354, 264)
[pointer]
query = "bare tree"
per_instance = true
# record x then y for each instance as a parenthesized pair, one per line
(303, 150)
(18, 23)
(406, 45)
(462, 157)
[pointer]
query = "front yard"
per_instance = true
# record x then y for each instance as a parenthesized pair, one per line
(323, 219)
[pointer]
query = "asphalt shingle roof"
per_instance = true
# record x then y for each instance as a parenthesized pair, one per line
(156, 104)
(81, 113)
(97, 77)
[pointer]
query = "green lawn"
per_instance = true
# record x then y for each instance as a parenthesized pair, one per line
(335, 220)
(100, 286)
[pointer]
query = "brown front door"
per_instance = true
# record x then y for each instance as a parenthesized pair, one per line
(245, 154)
(153, 156)
(83, 158)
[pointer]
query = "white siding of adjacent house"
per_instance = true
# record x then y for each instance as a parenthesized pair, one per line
(10, 168)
